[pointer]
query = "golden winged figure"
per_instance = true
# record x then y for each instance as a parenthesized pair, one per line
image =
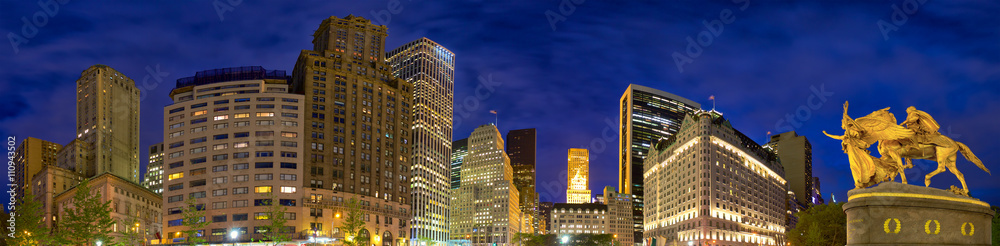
(919, 139)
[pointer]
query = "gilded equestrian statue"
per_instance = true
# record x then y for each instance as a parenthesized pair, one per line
(916, 138)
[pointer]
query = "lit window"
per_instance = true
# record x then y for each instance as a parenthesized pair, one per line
(200, 112)
(261, 216)
(175, 176)
(262, 189)
(287, 189)
(222, 117)
(219, 146)
(289, 134)
(265, 114)
(244, 115)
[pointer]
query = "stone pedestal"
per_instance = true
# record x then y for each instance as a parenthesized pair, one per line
(896, 214)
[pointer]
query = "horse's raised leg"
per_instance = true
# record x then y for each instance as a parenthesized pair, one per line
(927, 178)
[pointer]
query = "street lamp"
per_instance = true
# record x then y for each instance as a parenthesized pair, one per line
(99, 243)
(233, 235)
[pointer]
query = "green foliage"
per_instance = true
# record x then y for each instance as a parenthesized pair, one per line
(28, 216)
(276, 229)
(132, 233)
(824, 224)
(194, 220)
(553, 239)
(88, 221)
(354, 221)
(996, 225)
(425, 241)
(593, 239)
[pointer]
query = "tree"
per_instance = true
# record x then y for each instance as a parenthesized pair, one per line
(353, 223)
(88, 221)
(824, 224)
(28, 215)
(425, 240)
(194, 220)
(542, 240)
(132, 232)
(996, 225)
(276, 230)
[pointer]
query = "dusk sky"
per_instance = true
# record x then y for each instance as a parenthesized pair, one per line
(562, 72)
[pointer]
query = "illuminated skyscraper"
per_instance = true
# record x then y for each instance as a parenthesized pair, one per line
(521, 150)
(154, 169)
(459, 149)
(711, 184)
(578, 176)
(645, 115)
(107, 123)
(430, 68)
(358, 119)
(485, 209)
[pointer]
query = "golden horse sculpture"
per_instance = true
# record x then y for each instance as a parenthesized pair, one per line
(916, 138)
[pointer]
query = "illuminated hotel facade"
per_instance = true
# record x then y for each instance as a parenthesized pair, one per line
(430, 68)
(645, 115)
(710, 184)
(358, 123)
(578, 176)
(485, 209)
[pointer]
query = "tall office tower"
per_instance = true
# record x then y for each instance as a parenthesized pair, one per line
(544, 217)
(712, 184)
(459, 149)
(32, 155)
(233, 140)
(578, 176)
(486, 211)
(645, 115)
(521, 150)
(107, 123)
(358, 116)
(817, 195)
(619, 215)
(795, 154)
(430, 68)
(154, 170)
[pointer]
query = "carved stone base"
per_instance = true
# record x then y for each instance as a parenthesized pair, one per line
(896, 214)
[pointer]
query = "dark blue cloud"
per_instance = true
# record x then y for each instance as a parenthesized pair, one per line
(565, 82)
